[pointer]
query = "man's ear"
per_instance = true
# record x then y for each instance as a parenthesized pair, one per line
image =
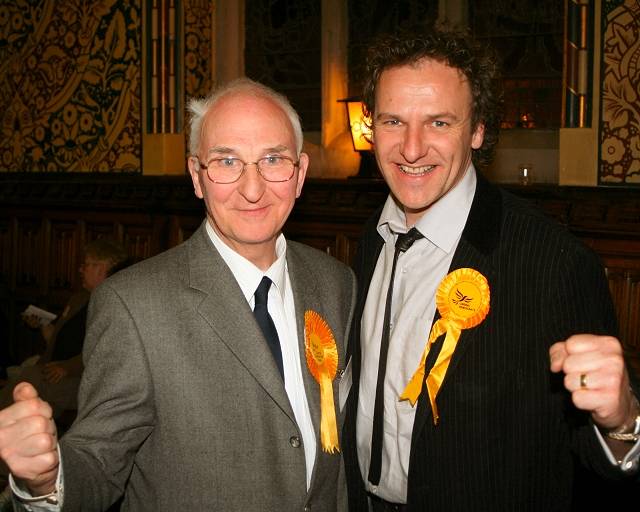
(477, 138)
(194, 171)
(302, 172)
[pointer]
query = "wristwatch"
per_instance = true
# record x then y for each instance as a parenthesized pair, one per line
(629, 433)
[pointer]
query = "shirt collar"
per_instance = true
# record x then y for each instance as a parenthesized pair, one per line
(246, 273)
(443, 222)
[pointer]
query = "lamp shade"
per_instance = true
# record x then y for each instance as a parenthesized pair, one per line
(358, 124)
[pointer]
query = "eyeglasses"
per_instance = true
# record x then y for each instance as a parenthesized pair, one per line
(273, 168)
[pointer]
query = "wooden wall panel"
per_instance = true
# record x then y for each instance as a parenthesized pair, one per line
(30, 266)
(346, 246)
(6, 250)
(632, 328)
(63, 254)
(45, 221)
(624, 284)
(619, 287)
(141, 234)
(181, 227)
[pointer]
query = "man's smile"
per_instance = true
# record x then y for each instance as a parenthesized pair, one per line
(416, 171)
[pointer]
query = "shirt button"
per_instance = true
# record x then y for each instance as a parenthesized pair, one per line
(374, 489)
(294, 441)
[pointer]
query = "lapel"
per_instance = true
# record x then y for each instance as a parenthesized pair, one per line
(369, 249)
(479, 239)
(231, 320)
(373, 249)
(306, 295)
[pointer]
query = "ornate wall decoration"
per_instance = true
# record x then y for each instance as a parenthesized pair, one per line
(198, 35)
(70, 85)
(620, 106)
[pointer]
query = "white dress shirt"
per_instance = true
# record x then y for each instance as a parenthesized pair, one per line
(283, 312)
(418, 274)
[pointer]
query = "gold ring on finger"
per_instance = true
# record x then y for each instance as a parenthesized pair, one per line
(583, 380)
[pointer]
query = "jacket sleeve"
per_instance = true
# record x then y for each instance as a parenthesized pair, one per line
(115, 412)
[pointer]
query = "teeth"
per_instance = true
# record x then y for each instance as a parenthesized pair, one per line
(417, 171)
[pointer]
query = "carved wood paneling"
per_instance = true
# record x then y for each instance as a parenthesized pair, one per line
(29, 265)
(46, 220)
(63, 257)
(631, 308)
(6, 242)
(625, 291)
(181, 227)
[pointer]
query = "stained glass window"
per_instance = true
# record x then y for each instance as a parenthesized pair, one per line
(528, 37)
(368, 19)
(282, 50)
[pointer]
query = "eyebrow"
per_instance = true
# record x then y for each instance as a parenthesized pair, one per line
(444, 115)
(430, 117)
(277, 149)
(220, 150)
(224, 150)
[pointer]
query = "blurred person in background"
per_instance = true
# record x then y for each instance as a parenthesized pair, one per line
(56, 373)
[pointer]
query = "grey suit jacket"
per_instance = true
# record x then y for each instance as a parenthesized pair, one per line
(181, 405)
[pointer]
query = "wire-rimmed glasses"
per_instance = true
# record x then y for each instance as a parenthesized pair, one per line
(273, 168)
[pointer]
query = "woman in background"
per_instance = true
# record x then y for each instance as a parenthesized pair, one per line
(56, 373)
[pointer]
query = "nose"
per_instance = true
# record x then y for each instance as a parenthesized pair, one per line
(414, 144)
(251, 185)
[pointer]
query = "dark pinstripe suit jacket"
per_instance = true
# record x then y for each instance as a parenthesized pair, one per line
(508, 430)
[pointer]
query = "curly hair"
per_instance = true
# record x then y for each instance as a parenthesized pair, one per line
(477, 62)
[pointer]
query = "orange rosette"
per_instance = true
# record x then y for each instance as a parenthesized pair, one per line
(463, 300)
(322, 360)
(463, 297)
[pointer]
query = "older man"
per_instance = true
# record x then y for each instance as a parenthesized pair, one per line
(190, 400)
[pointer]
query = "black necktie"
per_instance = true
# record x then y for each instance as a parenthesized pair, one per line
(402, 244)
(265, 322)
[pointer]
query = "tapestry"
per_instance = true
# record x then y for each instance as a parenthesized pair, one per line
(198, 47)
(70, 84)
(619, 134)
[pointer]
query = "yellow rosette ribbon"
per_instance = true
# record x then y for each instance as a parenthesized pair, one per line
(322, 360)
(463, 300)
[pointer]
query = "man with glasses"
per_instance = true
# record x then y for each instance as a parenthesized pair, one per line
(198, 402)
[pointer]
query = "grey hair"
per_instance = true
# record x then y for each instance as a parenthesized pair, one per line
(198, 108)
